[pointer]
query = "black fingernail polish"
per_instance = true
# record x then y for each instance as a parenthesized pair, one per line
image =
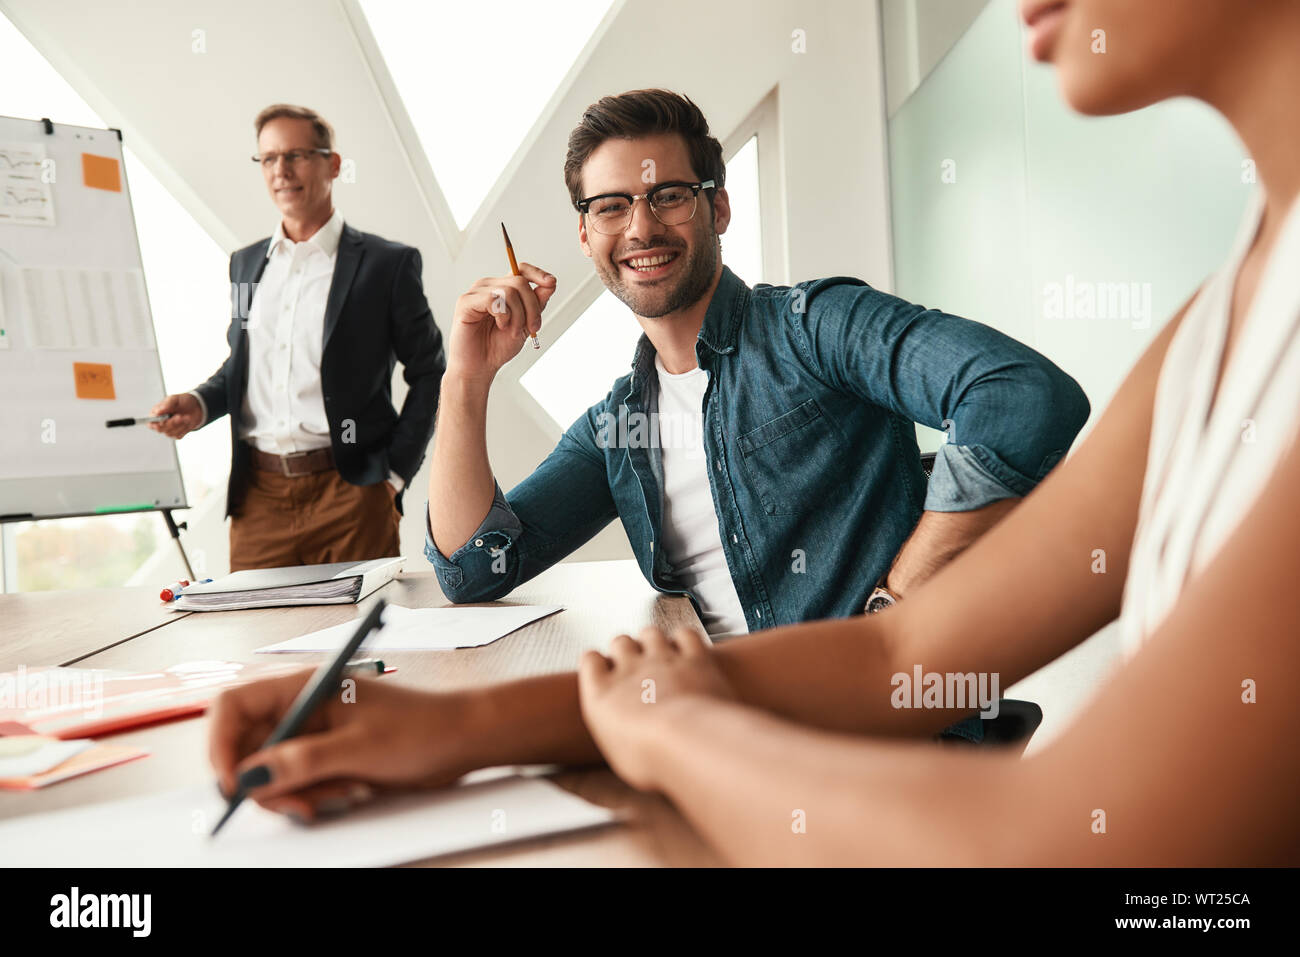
(255, 778)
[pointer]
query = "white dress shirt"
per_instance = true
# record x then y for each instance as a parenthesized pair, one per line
(284, 405)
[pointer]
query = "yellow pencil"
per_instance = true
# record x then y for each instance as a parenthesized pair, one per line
(514, 270)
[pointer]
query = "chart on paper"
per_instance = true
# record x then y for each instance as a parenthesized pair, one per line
(24, 188)
(86, 308)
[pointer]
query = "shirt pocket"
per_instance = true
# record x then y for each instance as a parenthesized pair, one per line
(785, 458)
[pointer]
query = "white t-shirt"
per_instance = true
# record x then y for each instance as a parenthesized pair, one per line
(691, 541)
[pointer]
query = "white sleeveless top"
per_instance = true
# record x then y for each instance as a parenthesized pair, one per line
(1206, 468)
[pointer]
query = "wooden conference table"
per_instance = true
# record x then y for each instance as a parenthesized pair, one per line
(128, 630)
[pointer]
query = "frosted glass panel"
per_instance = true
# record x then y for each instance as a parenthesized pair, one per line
(957, 155)
(1139, 207)
(1011, 209)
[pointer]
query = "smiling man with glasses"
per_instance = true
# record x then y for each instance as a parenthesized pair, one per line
(801, 493)
(320, 313)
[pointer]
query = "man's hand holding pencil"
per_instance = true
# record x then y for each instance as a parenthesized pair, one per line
(493, 319)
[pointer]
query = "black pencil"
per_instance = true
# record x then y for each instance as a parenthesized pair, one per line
(322, 684)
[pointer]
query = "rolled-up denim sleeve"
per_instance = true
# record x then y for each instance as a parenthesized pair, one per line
(561, 505)
(961, 481)
(497, 532)
(1009, 413)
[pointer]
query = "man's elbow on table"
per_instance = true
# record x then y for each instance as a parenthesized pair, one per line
(473, 574)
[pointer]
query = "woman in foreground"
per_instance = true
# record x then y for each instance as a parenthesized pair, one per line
(1190, 482)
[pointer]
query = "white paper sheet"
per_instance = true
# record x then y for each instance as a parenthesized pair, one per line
(424, 629)
(172, 830)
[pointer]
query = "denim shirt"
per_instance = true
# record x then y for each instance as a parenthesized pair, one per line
(812, 456)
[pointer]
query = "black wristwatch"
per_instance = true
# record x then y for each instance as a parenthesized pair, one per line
(881, 598)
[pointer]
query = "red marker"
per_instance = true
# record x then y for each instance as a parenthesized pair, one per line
(173, 590)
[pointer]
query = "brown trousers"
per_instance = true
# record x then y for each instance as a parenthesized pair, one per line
(311, 520)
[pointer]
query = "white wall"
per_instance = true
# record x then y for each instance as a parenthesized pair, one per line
(188, 115)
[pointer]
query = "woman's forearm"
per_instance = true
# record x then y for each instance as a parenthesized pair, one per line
(767, 792)
(836, 674)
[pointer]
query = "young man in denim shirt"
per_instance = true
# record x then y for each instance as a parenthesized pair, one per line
(761, 453)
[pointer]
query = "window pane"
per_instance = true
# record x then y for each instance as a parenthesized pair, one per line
(742, 243)
(463, 79)
(578, 368)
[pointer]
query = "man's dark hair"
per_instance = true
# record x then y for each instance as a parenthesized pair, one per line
(643, 113)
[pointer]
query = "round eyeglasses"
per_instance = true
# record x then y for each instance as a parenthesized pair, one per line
(671, 203)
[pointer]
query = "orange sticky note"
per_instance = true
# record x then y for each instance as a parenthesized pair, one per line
(94, 380)
(101, 172)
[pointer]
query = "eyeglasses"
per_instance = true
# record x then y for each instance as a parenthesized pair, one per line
(671, 203)
(292, 157)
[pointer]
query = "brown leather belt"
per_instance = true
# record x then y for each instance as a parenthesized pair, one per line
(294, 464)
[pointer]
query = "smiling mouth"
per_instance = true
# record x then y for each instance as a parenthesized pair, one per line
(650, 265)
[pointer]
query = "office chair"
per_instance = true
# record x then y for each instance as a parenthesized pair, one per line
(1017, 720)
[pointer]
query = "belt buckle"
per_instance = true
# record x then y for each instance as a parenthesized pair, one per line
(284, 464)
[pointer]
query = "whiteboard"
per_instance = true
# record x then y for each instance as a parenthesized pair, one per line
(77, 344)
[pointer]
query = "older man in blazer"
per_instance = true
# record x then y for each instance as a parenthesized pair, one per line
(320, 314)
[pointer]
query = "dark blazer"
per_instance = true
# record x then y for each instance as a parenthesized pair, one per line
(376, 313)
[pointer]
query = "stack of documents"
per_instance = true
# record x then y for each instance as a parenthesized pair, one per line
(338, 583)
